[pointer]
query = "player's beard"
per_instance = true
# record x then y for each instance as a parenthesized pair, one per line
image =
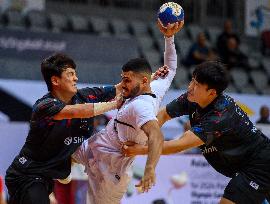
(134, 92)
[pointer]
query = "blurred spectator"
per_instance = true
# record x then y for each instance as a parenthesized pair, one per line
(233, 56)
(265, 40)
(264, 115)
(224, 36)
(199, 52)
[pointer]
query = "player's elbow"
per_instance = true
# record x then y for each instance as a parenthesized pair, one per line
(161, 119)
(156, 137)
(59, 116)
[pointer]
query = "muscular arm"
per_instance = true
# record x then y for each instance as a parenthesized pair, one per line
(186, 141)
(86, 110)
(155, 142)
(160, 86)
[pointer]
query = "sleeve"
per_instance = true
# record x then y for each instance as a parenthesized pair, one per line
(143, 112)
(98, 94)
(178, 107)
(82, 153)
(160, 86)
(213, 126)
(47, 108)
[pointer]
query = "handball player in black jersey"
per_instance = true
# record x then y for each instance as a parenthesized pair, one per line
(221, 129)
(61, 120)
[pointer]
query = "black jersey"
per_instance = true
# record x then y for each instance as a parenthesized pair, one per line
(232, 142)
(50, 142)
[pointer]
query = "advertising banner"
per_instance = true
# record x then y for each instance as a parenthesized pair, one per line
(186, 179)
(35, 46)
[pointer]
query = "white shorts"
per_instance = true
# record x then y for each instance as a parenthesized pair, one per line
(102, 190)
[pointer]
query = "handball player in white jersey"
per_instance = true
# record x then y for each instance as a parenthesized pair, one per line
(109, 171)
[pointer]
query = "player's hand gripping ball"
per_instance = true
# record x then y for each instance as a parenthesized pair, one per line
(170, 12)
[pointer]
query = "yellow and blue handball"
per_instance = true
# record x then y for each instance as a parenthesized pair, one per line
(170, 12)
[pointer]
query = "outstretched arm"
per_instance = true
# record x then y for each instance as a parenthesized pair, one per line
(155, 142)
(160, 86)
(171, 29)
(186, 141)
(87, 110)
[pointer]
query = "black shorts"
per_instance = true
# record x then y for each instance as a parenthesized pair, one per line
(241, 190)
(27, 189)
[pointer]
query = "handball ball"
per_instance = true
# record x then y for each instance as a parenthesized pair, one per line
(170, 12)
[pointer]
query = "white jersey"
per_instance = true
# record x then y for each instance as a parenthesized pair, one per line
(103, 149)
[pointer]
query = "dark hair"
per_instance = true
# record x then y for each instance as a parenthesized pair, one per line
(54, 66)
(213, 74)
(137, 65)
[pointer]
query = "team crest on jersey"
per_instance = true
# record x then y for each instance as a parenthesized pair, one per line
(68, 141)
(22, 160)
(254, 185)
(74, 140)
(198, 129)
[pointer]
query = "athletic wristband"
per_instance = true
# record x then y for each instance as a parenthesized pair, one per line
(100, 108)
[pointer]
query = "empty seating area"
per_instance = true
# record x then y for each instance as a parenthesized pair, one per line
(150, 43)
